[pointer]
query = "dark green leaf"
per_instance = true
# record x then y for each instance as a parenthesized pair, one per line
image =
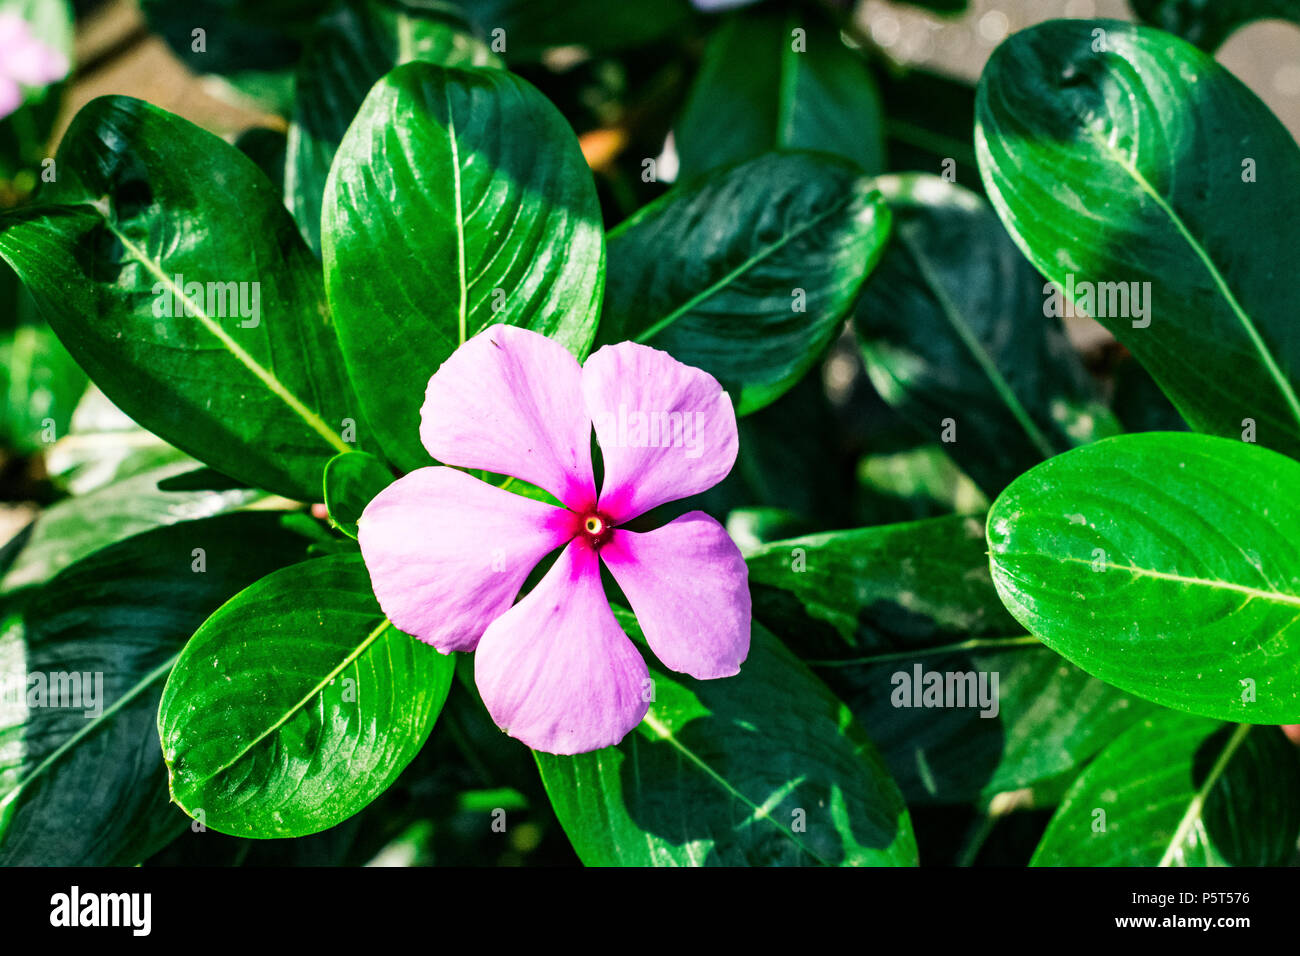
(82, 781)
(844, 594)
(266, 148)
(1165, 564)
(258, 392)
(297, 704)
(766, 768)
(953, 335)
(1134, 171)
(748, 272)
(471, 227)
(1181, 791)
(869, 605)
(779, 80)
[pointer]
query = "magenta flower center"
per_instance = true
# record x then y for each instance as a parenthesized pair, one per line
(596, 528)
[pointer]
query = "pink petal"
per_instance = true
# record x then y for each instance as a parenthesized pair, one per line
(447, 553)
(689, 587)
(556, 671)
(510, 401)
(666, 430)
(35, 64)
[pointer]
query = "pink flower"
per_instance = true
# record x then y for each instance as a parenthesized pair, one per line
(24, 61)
(448, 553)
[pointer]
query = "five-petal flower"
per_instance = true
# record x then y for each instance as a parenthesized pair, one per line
(448, 553)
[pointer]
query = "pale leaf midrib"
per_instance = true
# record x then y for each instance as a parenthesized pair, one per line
(290, 712)
(665, 733)
(273, 384)
(1197, 805)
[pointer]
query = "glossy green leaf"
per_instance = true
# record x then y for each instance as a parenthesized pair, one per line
(842, 594)
(472, 227)
(140, 231)
(351, 481)
(1165, 564)
(82, 781)
(875, 611)
(766, 768)
(1134, 172)
(1207, 23)
(1177, 790)
(776, 79)
(748, 272)
(297, 704)
(953, 335)
(349, 51)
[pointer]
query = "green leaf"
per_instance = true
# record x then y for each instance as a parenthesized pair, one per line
(766, 768)
(844, 594)
(82, 781)
(953, 335)
(351, 481)
(1208, 24)
(296, 704)
(1130, 158)
(764, 86)
(472, 227)
(73, 528)
(257, 392)
(1181, 791)
(748, 272)
(866, 606)
(1026, 715)
(1165, 564)
(349, 51)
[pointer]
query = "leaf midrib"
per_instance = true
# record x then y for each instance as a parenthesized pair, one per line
(290, 712)
(457, 199)
(758, 257)
(90, 727)
(982, 358)
(1275, 597)
(1197, 804)
(265, 376)
(665, 733)
(1247, 323)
